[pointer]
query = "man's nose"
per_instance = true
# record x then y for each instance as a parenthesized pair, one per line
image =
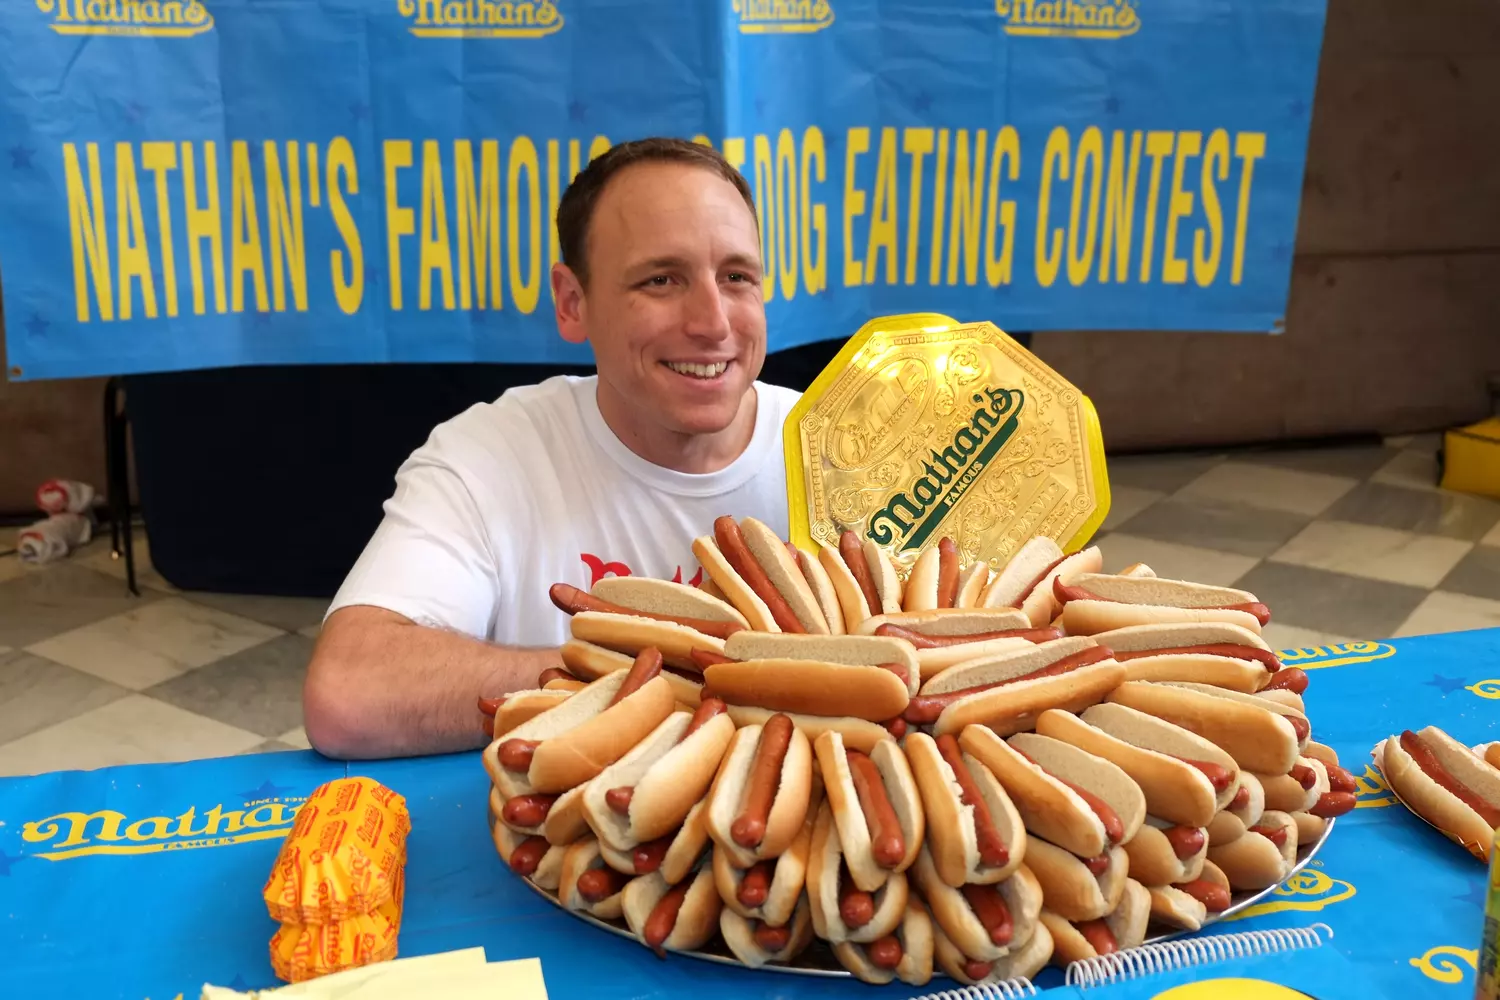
(706, 314)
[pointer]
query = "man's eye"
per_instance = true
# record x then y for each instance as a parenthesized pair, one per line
(659, 281)
(739, 276)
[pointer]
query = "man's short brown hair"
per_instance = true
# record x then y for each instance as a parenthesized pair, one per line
(576, 209)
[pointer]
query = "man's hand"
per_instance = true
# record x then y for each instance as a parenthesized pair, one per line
(379, 685)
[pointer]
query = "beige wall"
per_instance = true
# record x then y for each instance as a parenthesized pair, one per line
(1394, 315)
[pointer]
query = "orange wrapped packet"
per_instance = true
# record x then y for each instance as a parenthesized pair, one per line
(344, 856)
(306, 951)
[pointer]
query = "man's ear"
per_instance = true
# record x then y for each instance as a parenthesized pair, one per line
(567, 298)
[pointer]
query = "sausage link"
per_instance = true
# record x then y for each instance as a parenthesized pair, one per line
(1241, 798)
(736, 550)
(852, 549)
(856, 907)
(977, 970)
(1264, 657)
(1331, 804)
(1213, 896)
(571, 600)
(1186, 841)
(487, 726)
(924, 709)
(1303, 775)
(899, 670)
(1065, 593)
(992, 850)
(527, 810)
(1114, 828)
(886, 842)
(947, 591)
(1219, 777)
(896, 727)
(515, 755)
(1097, 865)
(923, 641)
(528, 855)
(1275, 834)
(772, 939)
(707, 709)
(618, 799)
(705, 658)
(598, 884)
(554, 674)
(989, 906)
(1340, 780)
(489, 706)
(749, 827)
(1425, 759)
(755, 885)
(1099, 936)
(885, 953)
(664, 916)
(1293, 679)
(645, 668)
(1300, 726)
(647, 857)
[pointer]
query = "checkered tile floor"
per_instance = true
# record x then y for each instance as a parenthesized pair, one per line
(1342, 543)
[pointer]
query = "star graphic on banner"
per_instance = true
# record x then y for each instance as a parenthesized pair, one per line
(267, 790)
(360, 110)
(1447, 685)
(36, 325)
(760, 106)
(259, 318)
(238, 983)
(1111, 105)
(577, 110)
(20, 157)
(134, 112)
(7, 860)
(1474, 894)
(1297, 107)
(922, 101)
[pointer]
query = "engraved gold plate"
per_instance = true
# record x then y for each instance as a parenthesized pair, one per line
(923, 427)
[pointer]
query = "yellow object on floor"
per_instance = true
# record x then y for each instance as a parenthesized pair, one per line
(1471, 458)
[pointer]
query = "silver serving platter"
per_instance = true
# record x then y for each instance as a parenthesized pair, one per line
(818, 958)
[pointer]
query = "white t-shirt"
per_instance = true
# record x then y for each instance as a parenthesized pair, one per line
(510, 497)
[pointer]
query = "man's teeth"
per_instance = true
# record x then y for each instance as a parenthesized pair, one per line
(698, 371)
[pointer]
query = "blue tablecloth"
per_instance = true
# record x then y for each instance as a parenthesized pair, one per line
(145, 881)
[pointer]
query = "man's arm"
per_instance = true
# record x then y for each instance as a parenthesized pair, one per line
(379, 685)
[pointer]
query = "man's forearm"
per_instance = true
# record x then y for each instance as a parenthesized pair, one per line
(381, 686)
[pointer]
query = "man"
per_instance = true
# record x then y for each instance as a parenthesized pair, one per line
(571, 479)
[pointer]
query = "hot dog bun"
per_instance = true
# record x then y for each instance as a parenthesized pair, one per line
(860, 734)
(935, 661)
(921, 590)
(1159, 591)
(1152, 752)
(1069, 889)
(1032, 561)
(1040, 605)
(1490, 752)
(852, 604)
(1154, 860)
(663, 597)
(971, 584)
(788, 808)
(770, 550)
(855, 834)
(787, 881)
(949, 621)
(1088, 617)
(564, 822)
(823, 882)
(591, 662)
(1175, 908)
(1049, 808)
(739, 935)
(629, 634)
(1285, 793)
(697, 918)
(669, 774)
(1254, 861)
(1025, 960)
(520, 706)
(1243, 674)
(1319, 751)
(811, 687)
(914, 934)
(1231, 822)
(1126, 922)
(1424, 796)
(547, 872)
(579, 858)
(683, 852)
(951, 911)
(951, 836)
(1290, 699)
(1014, 707)
(846, 650)
(583, 735)
(735, 590)
(823, 592)
(1289, 712)
(1253, 732)
(887, 580)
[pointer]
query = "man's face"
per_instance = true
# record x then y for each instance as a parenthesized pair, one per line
(673, 306)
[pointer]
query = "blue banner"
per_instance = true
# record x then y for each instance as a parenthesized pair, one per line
(200, 183)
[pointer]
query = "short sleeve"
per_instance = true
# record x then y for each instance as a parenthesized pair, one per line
(430, 559)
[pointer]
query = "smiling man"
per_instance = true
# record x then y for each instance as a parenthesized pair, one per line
(574, 478)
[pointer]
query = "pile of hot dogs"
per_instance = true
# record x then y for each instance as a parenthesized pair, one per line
(970, 770)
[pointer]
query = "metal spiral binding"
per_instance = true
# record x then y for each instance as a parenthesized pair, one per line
(1169, 955)
(1007, 990)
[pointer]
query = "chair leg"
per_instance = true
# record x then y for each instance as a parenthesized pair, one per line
(117, 470)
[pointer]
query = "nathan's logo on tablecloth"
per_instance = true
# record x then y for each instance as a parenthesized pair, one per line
(1489, 689)
(1337, 655)
(1371, 791)
(262, 816)
(1070, 18)
(1307, 891)
(1439, 963)
(779, 17)
(154, 18)
(480, 18)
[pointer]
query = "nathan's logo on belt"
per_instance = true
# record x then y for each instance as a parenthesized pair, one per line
(765, 17)
(480, 18)
(914, 514)
(1070, 18)
(77, 834)
(158, 18)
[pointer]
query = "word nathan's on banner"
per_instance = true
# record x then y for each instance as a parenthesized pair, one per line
(1070, 18)
(161, 18)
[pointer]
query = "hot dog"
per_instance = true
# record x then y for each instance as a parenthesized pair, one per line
(1184, 777)
(557, 818)
(767, 891)
(947, 637)
(658, 600)
(1445, 783)
(513, 709)
(674, 855)
(822, 686)
(1293, 679)
(1148, 600)
(863, 578)
(1299, 789)
(852, 557)
(1162, 853)
(906, 953)
(1027, 686)
(823, 590)
(1214, 653)
(1122, 928)
(572, 742)
(841, 911)
(755, 943)
(1024, 958)
(663, 917)
(876, 807)
(1243, 811)
(861, 734)
(591, 662)
(977, 931)
(586, 883)
(531, 857)
(1022, 574)
(629, 634)
(1173, 906)
(933, 582)
(894, 655)
(759, 798)
(648, 791)
(922, 640)
(1263, 856)
(975, 833)
(1259, 735)
(757, 575)
(1041, 603)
